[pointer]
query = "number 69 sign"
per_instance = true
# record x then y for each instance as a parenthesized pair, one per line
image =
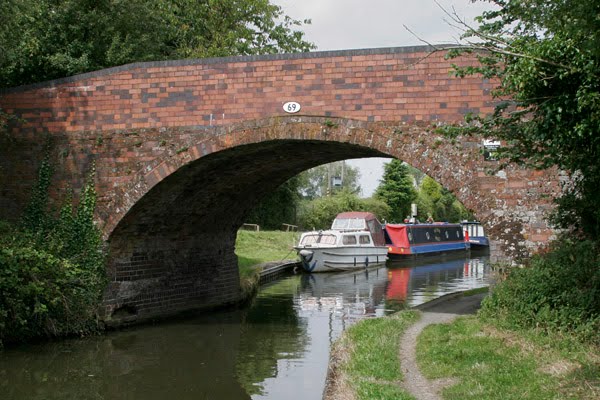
(291, 107)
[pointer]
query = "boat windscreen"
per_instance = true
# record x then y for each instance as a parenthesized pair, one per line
(321, 239)
(348, 223)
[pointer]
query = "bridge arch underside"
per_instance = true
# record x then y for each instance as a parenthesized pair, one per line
(174, 248)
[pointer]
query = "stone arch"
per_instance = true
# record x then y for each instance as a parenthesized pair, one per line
(172, 233)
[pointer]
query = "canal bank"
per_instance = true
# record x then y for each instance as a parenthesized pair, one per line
(437, 311)
(442, 350)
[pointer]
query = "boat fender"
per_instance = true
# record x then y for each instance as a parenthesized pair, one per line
(306, 255)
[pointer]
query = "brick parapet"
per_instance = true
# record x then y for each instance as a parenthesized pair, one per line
(397, 84)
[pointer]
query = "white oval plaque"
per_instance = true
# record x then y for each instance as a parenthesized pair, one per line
(291, 107)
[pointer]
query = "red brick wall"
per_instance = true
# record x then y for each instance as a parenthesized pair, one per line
(398, 84)
(184, 149)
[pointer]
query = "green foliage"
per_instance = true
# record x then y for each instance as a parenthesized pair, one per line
(47, 39)
(558, 292)
(435, 200)
(546, 57)
(278, 208)
(320, 213)
(52, 268)
(396, 190)
(313, 183)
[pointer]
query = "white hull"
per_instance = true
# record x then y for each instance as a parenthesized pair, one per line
(347, 258)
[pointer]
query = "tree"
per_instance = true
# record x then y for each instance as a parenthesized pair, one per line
(47, 39)
(320, 213)
(545, 56)
(216, 28)
(314, 182)
(435, 200)
(396, 190)
(278, 207)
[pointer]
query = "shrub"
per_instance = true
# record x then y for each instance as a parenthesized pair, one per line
(320, 213)
(52, 271)
(44, 295)
(557, 292)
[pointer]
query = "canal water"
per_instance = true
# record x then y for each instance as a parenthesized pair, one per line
(276, 348)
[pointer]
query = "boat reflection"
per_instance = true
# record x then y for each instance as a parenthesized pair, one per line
(415, 282)
(375, 292)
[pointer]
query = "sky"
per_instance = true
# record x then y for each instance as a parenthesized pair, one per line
(361, 24)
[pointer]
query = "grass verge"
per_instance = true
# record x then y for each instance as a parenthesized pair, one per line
(365, 359)
(495, 364)
(254, 248)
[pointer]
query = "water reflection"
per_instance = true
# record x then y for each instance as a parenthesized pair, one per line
(278, 347)
(194, 359)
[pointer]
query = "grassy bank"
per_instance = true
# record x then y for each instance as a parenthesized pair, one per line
(500, 364)
(253, 248)
(365, 359)
(535, 337)
(486, 362)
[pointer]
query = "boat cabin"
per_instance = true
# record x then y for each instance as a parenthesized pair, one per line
(360, 221)
(476, 234)
(414, 239)
(329, 238)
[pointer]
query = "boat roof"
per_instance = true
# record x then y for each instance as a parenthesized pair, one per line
(356, 215)
(423, 225)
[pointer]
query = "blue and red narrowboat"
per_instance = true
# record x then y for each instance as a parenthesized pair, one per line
(412, 240)
(476, 235)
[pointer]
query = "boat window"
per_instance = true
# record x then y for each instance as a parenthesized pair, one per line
(447, 235)
(353, 223)
(427, 235)
(349, 239)
(357, 224)
(410, 237)
(312, 239)
(327, 239)
(339, 224)
(364, 239)
(309, 239)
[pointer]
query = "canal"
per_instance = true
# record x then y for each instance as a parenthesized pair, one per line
(275, 348)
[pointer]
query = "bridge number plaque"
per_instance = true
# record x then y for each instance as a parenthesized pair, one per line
(291, 107)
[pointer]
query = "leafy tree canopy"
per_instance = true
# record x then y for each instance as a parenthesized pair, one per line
(546, 58)
(438, 202)
(396, 189)
(315, 181)
(320, 213)
(47, 39)
(278, 208)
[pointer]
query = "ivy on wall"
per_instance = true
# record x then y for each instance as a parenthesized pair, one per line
(52, 266)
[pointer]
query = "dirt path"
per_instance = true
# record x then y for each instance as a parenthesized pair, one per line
(439, 311)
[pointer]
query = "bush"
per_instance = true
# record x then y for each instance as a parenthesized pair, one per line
(44, 295)
(320, 213)
(52, 271)
(557, 292)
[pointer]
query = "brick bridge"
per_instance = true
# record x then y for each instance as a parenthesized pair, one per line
(185, 149)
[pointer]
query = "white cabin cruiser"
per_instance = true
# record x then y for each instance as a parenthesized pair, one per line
(355, 241)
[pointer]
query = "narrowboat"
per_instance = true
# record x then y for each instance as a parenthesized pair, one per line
(476, 235)
(412, 240)
(355, 241)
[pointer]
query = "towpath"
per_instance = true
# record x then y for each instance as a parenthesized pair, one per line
(439, 311)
